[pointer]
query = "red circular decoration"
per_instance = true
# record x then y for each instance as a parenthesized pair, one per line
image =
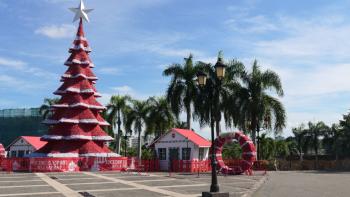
(248, 155)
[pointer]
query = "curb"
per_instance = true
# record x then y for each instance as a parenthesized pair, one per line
(256, 186)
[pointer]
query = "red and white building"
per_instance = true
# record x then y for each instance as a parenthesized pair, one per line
(180, 145)
(24, 145)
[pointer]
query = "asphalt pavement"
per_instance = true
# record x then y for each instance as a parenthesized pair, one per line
(305, 184)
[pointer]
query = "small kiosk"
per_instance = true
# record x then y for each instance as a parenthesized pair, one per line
(180, 145)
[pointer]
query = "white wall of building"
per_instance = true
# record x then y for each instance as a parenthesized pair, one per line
(175, 140)
(20, 147)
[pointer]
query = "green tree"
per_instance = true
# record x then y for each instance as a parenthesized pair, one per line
(345, 135)
(160, 118)
(257, 106)
(45, 108)
(332, 140)
(115, 113)
(216, 98)
(300, 140)
(136, 116)
(315, 131)
(182, 90)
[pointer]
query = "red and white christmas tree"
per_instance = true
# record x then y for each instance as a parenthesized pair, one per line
(76, 126)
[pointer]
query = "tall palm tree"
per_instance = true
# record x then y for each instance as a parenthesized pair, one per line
(315, 131)
(216, 98)
(136, 118)
(256, 105)
(182, 90)
(45, 108)
(161, 117)
(115, 111)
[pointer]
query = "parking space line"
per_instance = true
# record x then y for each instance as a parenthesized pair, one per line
(90, 183)
(136, 185)
(20, 181)
(107, 190)
(68, 179)
(193, 185)
(155, 180)
(14, 186)
(30, 194)
(64, 190)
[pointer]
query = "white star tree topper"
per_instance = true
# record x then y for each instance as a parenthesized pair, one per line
(81, 12)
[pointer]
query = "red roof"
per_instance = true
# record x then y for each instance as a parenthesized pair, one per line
(193, 137)
(34, 141)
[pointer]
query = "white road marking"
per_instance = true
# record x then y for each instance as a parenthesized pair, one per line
(68, 179)
(90, 183)
(106, 190)
(155, 180)
(14, 186)
(193, 185)
(16, 177)
(30, 194)
(64, 190)
(145, 187)
(18, 181)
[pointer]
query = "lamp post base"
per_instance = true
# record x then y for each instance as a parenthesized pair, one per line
(215, 194)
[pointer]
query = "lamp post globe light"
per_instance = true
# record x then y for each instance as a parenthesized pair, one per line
(220, 69)
(202, 77)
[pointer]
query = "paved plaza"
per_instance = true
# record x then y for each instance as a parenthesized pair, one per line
(98, 184)
(305, 184)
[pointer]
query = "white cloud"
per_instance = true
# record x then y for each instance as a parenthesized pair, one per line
(254, 24)
(109, 71)
(7, 81)
(16, 64)
(21, 66)
(57, 31)
(122, 90)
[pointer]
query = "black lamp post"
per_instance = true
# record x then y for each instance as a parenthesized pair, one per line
(202, 79)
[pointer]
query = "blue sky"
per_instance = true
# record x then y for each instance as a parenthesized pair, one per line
(306, 42)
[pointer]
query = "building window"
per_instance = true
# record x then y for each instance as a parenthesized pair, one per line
(13, 153)
(186, 153)
(162, 153)
(201, 154)
(27, 152)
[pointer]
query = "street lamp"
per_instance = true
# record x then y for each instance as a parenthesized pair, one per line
(202, 78)
(220, 68)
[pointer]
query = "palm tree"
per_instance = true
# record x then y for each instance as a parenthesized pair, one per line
(315, 131)
(136, 117)
(300, 140)
(216, 98)
(115, 111)
(182, 90)
(45, 108)
(331, 140)
(256, 105)
(161, 117)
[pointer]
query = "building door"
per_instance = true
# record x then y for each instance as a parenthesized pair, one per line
(173, 155)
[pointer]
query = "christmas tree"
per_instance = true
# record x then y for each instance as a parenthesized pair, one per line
(76, 126)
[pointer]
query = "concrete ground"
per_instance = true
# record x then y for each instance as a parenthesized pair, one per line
(106, 184)
(305, 184)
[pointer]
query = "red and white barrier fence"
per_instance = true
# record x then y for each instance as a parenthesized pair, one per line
(63, 164)
(190, 166)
